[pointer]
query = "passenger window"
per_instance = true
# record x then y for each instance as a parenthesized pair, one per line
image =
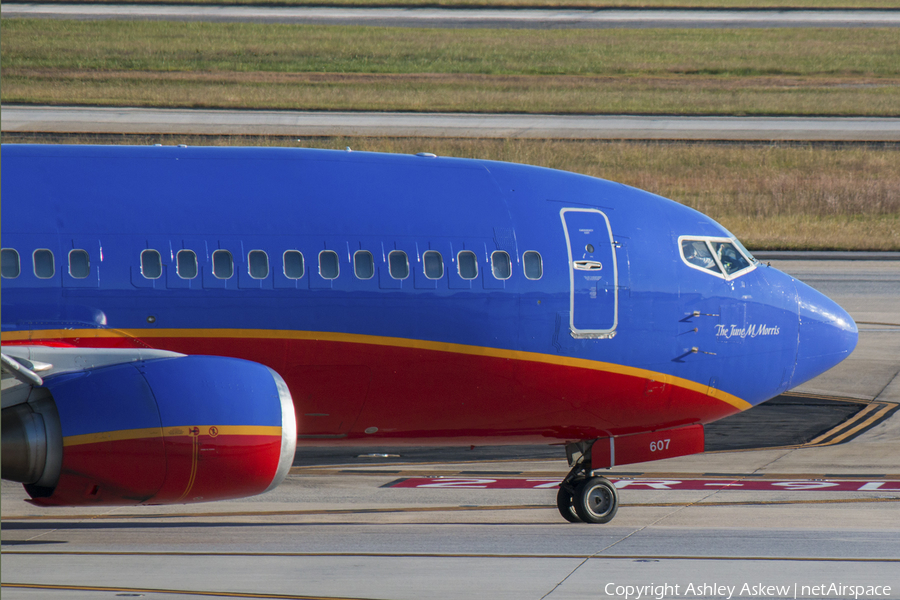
(696, 252)
(732, 260)
(44, 268)
(434, 264)
(151, 265)
(258, 264)
(293, 264)
(363, 264)
(329, 267)
(500, 265)
(467, 264)
(10, 268)
(186, 264)
(223, 264)
(534, 266)
(398, 264)
(79, 264)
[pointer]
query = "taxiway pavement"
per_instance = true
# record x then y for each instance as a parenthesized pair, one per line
(346, 532)
(109, 120)
(463, 18)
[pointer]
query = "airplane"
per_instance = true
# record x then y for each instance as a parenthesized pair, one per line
(176, 319)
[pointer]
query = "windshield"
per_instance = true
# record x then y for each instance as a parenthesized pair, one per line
(697, 253)
(729, 257)
(746, 252)
(722, 257)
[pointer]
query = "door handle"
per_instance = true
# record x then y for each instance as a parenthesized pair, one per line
(587, 265)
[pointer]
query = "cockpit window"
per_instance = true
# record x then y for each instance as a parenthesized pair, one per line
(722, 257)
(729, 257)
(697, 253)
(744, 251)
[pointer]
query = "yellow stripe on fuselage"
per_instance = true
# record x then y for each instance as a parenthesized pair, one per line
(181, 430)
(354, 338)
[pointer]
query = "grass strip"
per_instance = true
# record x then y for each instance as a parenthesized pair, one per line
(651, 71)
(245, 47)
(712, 4)
(457, 92)
(773, 197)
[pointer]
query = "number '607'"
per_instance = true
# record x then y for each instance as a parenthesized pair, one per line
(659, 445)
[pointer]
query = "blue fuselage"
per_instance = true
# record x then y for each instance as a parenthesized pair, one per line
(605, 327)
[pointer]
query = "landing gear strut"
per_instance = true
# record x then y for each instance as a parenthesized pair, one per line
(582, 497)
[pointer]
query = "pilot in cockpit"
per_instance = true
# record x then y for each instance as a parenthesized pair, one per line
(696, 252)
(730, 258)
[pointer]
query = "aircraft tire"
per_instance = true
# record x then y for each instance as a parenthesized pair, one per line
(564, 502)
(596, 500)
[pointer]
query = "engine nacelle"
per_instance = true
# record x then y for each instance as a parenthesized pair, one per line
(164, 431)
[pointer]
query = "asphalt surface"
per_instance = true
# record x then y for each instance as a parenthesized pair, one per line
(349, 531)
(463, 18)
(49, 119)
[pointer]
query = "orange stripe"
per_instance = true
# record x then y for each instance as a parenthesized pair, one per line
(353, 338)
(873, 419)
(155, 432)
(195, 450)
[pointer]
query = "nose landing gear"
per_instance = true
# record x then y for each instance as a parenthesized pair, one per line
(596, 500)
(565, 502)
(582, 497)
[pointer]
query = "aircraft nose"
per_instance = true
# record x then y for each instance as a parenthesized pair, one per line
(827, 334)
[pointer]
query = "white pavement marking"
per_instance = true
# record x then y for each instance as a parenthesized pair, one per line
(264, 122)
(442, 17)
(737, 483)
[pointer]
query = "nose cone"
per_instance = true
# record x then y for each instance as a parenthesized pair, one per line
(827, 334)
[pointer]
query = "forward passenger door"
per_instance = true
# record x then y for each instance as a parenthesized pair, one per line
(593, 279)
